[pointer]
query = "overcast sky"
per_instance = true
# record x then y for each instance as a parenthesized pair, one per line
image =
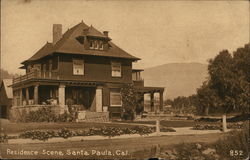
(158, 32)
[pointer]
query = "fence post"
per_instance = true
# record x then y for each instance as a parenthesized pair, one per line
(224, 123)
(157, 126)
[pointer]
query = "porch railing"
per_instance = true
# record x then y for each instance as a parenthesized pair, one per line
(36, 75)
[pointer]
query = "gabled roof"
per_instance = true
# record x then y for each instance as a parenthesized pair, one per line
(69, 44)
(5, 84)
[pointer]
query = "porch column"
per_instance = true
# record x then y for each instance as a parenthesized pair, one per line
(61, 94)
(21, 97)
(98, 97)
(27, 96)
(161, 100)
(152, 101)
(36, 94)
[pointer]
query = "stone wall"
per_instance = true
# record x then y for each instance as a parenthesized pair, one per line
(18, 113)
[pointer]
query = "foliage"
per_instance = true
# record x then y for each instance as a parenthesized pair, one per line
(217, 126)
(45, 114)
(182, 104)
(235, 141)
(237, 118)
(103, 131)
(38, 134)
(129, 101)
(3, 138)
(230, 147)
(228, 86)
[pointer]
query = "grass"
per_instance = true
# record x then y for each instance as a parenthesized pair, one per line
(129, 145)
(172, 123)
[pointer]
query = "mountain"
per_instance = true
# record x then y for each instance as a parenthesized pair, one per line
(179, 79)
(6, 75)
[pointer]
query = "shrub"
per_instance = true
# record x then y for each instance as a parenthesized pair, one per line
(103, 131)
(3, 138)
(38, 134)
(218, 126)
(235, 141)
(65, 133)
(128, 95)
(207, 127)
(45, 114)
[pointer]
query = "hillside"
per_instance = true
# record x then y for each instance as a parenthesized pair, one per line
(179, 79)
(6, 75)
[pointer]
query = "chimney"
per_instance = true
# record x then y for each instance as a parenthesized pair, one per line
(106, 33)
(57, 33)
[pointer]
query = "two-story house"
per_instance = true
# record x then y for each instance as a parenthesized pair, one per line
(81, 68)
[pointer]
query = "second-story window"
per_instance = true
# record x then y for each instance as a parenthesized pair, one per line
(101, 45)
(116, 69)
(91, 44)
(96, 44)
(78, 67)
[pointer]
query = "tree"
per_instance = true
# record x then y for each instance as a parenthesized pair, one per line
(228, 86)
(207, 99)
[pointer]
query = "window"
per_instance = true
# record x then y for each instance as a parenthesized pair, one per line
(96, 44)
(115, 97)
(91, 46)
(116, 69)
(78, 67)
(101, 45)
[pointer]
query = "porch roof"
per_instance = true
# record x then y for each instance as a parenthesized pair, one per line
(149, 89)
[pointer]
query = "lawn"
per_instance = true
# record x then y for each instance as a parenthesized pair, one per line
(16, 128)
(172, 123)
(129, 146)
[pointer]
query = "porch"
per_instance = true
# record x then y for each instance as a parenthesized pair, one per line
(155, 106)
(81, 99)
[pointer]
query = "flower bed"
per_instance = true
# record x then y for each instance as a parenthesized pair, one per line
(103, 131)
(217, 126)
(237, 118)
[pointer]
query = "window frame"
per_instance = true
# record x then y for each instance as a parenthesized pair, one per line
(92, 44)
(112, 67)
(101, 45)
(83, 67)
(115, 91)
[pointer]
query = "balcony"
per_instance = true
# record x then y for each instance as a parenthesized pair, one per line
(36, 75)
(136, 77)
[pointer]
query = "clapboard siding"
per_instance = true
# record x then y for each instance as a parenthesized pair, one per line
(95, 69)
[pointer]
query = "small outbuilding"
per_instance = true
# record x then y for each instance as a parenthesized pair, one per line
(6, 96)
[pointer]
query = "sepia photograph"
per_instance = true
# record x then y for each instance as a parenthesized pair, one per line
(125, 79)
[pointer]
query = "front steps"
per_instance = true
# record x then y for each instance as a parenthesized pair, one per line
(88, 116)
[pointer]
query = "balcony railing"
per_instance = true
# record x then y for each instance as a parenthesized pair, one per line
(36, 75)
(138, 83)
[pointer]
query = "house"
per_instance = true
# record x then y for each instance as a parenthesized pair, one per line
(81, 68)
(6, 96)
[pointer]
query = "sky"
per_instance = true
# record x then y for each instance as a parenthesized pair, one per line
(158, 32)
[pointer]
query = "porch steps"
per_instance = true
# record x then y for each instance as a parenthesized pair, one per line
(86, 116)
